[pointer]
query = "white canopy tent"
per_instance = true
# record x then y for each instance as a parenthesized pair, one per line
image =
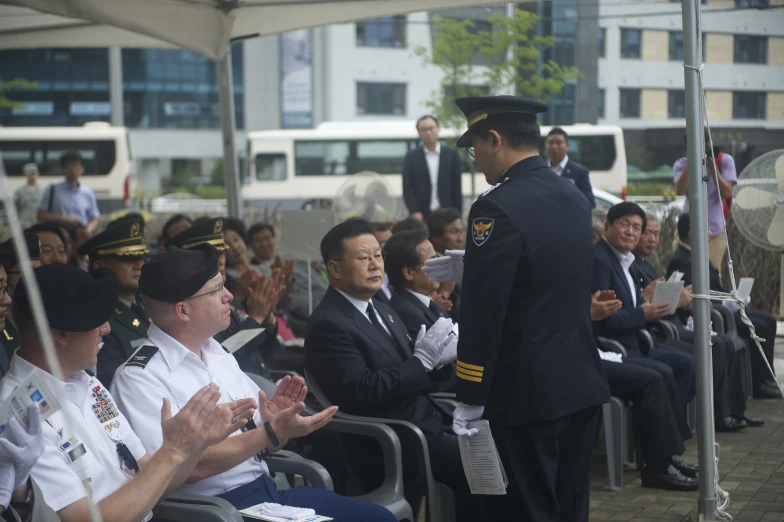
(204, 26)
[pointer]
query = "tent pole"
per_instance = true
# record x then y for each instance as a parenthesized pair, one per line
(231, 174)
(698, 196)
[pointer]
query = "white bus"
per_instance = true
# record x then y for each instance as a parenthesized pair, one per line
(296, 167)
(108, 167)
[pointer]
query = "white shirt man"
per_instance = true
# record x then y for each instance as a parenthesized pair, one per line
(433, 158)
(626, 261)
(559, 168)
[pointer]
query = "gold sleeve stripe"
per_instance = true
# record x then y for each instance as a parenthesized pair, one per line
(471, 378)
(470, 366)
(469, 372)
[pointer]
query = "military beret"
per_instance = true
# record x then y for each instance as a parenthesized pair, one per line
(8, 251)
(175, 274)
(122, 239)
(209, 231)
(74, 300)
(479, 108)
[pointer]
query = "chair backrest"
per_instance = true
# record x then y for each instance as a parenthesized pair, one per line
(185, 507)
(315, 389)
(264, 385)
(610, 345)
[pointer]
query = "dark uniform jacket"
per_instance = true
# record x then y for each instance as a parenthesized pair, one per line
(526, 349)
(365, 371)
(129, 331)
(9, 342)
(250, 356)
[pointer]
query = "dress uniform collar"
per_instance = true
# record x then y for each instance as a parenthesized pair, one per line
(173, 351)
(524, 166)
(74, 389)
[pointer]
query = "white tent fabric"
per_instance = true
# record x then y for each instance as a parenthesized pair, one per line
(204, 26)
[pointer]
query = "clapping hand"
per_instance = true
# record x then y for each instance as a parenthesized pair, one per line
(19, 451)
(448, 267)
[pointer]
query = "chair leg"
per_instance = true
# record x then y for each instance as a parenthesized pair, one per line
(612, 435)
(691, 415)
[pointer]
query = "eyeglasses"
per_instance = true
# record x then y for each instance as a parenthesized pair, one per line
(364, 259)
(219, 289)
(471, 152)
(6, 290)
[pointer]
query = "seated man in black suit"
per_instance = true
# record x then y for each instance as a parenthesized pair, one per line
(406, 254)
(765, 386)
(557, 146)
(360, 353)
(656, 409)
(447, 233)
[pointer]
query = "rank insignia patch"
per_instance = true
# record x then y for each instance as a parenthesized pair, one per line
(481, 228)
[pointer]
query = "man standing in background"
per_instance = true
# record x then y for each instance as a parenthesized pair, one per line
(69, 201)
(557, 146)
(432, 175)
(26, 197)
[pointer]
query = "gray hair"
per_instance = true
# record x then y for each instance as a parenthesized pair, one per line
(598, 218)
(650, 216)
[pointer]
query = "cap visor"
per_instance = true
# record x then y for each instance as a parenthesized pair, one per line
(464, 141)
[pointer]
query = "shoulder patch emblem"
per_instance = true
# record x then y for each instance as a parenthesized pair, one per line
(142, 356)
(481, 228)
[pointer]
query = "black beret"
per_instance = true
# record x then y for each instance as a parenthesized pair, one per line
(8, 251)
(208, 231)
(175, 274)
(74, 300)
(479, 108)
(121, 239)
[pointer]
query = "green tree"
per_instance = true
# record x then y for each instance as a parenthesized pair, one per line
(8, 85)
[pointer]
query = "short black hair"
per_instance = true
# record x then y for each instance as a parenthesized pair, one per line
(258, 227)
(409, 224)
(332, 246)
(684, 226)
(519, 134)
(171, 221)
(439, 219)
(70, 155)
(237, 226)
(558, 130)
(426, 116)
(402, 251)
(379, 226)
(626, 208)
(48, 226)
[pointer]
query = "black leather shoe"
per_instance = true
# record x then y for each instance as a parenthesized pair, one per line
(767, 390)
(731, 424)
(753, 422)
(672, 479)
(687, 469)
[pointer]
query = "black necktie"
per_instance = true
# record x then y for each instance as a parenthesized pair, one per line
(374, 319)
(434, 308)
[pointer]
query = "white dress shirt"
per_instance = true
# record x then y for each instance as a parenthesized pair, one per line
(362, 306)
(80, 455)
(558, 169)
(175, 372)
(433, 163)
(626, 263)
(425, 299)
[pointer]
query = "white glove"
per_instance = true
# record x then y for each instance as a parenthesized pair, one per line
(446, 268)
(431, 343)
(464, 414)
(449, 355)
(22, 446)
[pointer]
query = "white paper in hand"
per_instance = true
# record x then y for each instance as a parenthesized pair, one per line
(30, 390)
(675, 277)
(481, 462)
(744, 288)
(258, 512)
(668, 292)
(241, 338)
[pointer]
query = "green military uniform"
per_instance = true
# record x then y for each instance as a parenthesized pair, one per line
(250, 356)
(9, 342)
(129, 323)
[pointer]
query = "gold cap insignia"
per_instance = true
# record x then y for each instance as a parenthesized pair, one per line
(135, 228)
(218, 227)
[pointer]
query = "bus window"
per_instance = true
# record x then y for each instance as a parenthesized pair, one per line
(270, 167)
(99, 155)
(338, 158)
(383, 157)
(595, 152)
(321, 158)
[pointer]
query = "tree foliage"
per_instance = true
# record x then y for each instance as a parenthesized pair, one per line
(9, 85)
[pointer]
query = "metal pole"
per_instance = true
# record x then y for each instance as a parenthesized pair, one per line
(698, 208)
(310, 287)
(117, 117)
(231, 175)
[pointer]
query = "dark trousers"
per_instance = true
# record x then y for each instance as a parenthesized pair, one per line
(548, 465)
(682, 365)
(324, 502)
(765, 327)
(656, 423)
(447, 467)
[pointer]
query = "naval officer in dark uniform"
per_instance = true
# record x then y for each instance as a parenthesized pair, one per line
(121, 249)
(526, 360)
(9, 260)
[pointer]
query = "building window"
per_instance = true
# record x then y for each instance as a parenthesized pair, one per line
(752, 4)
(748, 105)
(751, 49)
(381, 98)
(602, 42)
(630, 103)
(389, 31)
(601, 103)
(631, 43)
(676, 45)
(676, 104)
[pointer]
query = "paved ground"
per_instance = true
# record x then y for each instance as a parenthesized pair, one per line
(751, 469)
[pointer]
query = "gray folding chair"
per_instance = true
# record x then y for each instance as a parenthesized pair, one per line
(724, 322)
(185, 507)
(439, 498)
(390, 494)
